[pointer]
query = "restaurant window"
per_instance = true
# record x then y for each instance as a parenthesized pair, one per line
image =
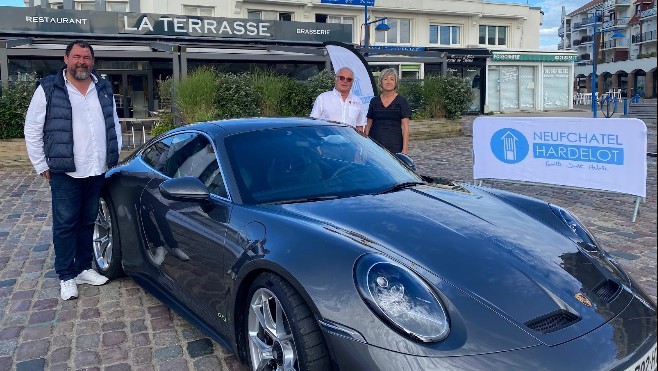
(445, 35)
(59, 5)
(254, 14)
(203, 11)
(399, 32)
(116, 6)
(285, 17)
(493, 35)
(328, 18)
(85, 5)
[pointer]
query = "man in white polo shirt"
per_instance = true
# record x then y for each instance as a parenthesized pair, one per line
(340, 105)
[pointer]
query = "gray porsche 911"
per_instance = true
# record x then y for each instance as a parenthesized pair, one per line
(302, 245)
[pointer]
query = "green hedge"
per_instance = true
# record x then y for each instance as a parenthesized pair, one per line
(14, 100)
(209, 95)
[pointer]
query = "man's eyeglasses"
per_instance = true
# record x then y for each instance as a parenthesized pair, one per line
(343, 78)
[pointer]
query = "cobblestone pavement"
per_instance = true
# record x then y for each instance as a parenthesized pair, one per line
(118, 326)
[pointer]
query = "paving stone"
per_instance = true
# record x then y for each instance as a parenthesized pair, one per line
(119, 367)
(174, 365)
(137, 326)
(141, 355)
(114, 354)
(60, 355)
(31, 365)
(198, 348)
(207, 363)
(86, 359)
(168, 353)
(32, 349)
(87, 342)
(114, 338)
(10, 332)
(6, 363)
(37, 332)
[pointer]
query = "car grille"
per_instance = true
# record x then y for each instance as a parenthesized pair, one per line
(607, 290)
(552, 321)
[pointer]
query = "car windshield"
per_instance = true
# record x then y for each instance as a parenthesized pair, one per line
(297, 164)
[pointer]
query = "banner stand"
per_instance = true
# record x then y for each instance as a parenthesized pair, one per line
(636, 208)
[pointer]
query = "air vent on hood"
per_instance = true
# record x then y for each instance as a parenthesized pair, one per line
(552, 321)
(607, 290)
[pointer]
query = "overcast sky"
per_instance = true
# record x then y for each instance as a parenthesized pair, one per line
(548, 38)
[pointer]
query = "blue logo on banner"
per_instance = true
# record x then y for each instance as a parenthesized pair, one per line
(509, 146)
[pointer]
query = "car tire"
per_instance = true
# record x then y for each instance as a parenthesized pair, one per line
(107, 248)
(298, 345)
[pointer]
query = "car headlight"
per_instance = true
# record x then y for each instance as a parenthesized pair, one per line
(578, 228)
(401, 299)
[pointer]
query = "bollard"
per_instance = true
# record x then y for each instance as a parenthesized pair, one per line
(625, 106)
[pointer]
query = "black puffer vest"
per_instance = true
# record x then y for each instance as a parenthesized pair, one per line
(58, 128)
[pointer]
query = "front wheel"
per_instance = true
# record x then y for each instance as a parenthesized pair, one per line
(281, 331)
(107, 250)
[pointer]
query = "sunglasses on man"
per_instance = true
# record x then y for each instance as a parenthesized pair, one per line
(343, 78)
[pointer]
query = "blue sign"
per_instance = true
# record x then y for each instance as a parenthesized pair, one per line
(349, 2)
(509, 146)
(399, 48)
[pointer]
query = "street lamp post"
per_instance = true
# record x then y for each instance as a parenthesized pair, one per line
(366, 26)
(616, 35)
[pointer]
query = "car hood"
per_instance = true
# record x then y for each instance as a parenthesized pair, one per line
(500, 254)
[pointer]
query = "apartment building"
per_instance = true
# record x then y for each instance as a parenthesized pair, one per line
(494, 46)
(622, 35)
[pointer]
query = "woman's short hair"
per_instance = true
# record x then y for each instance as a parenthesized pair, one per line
(388, 72)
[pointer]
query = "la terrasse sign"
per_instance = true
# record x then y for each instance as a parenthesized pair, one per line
(53, 21)
(535, 57)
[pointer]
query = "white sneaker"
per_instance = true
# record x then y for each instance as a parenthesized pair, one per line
(180, 254)
(159, 255)
(90, 277)
(68, 289)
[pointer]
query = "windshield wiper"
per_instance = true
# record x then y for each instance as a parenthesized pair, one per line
(304, 199)
(400, 186)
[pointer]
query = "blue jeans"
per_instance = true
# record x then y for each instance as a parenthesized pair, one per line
(75, 207)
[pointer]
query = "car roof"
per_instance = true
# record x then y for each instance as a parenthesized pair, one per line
(234, 126)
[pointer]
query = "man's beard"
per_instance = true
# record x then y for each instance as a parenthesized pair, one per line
(81, 74)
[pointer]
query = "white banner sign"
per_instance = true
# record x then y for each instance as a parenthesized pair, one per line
(344, 56)
(598, 153)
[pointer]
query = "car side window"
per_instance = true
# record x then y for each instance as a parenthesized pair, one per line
(188, 154)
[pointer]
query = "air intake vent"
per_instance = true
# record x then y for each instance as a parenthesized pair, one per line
(607, 290)
(552, 321)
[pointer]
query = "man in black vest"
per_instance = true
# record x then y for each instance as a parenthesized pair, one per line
(73, 136)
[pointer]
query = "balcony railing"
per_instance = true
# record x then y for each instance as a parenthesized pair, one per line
(648, 13)
(643, 37)
(624, 2)
(623, 21)
(586, 39)
(577, 25)
(585, 57)
(576, 42)
(612, 44)
(608, 24)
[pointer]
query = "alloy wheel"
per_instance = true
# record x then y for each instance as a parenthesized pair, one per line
(103, 237)
(271, 342)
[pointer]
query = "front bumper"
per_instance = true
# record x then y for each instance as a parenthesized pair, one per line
(616, 345)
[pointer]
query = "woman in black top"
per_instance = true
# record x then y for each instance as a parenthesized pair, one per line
(388, 115)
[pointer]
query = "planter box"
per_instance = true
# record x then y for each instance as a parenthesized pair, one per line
(13, 153)
(434, 129)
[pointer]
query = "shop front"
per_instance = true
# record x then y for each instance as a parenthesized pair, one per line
(134, 51)
(530, 81)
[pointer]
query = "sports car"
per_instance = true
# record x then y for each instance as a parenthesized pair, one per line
(300, 244)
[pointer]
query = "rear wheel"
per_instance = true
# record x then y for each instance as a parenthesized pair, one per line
(281, 331)
(107, 250)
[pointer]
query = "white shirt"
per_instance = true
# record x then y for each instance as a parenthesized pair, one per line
(89, 144)
(330, 106)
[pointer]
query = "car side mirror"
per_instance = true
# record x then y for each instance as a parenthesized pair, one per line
(406, 160)
(187, 188)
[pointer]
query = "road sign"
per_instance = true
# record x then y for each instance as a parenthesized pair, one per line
(349, 2)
